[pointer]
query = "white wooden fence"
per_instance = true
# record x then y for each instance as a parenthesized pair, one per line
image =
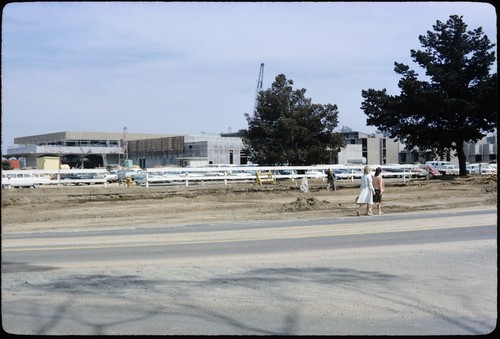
(226, 174)
(187, 175)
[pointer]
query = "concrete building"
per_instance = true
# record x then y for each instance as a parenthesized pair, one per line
(188, 151)
(485, 150)
(365, 148)
(378, 149)
(77, 149)
(99, 149)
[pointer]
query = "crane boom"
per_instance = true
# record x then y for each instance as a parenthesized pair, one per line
(259, 82)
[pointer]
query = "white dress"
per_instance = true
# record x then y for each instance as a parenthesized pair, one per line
(366, 190)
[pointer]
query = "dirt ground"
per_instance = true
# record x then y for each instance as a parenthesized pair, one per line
(114, 206)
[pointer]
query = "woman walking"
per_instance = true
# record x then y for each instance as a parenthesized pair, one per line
(366, 192)
(378, 185)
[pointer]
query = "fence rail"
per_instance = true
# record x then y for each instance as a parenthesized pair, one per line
(249, 173)
(185, 175)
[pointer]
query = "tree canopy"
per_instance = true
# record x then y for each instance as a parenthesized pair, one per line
(288, 129)
(6, 165)
(458, 102)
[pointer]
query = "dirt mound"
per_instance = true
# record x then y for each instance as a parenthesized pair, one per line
(305, 204)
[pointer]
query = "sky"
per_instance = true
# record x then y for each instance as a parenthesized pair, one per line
(192, 67)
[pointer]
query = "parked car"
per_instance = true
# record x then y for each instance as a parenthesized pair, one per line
(123, 174)
(216, 173)
(419, 171)
(481, 168)
(357, 172)
(243, 174)
(315, 174)
(192, 174)
(152, 177)
(438, 163)
(426, 170)
(10, 180)
(158, 177)
(341, 173)
(77, 178)
(393, 172)
(112, 176)
(449, 169)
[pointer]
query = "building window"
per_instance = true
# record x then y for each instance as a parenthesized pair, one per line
(243, 157)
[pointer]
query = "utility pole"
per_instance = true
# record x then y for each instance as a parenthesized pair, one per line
(125, 142)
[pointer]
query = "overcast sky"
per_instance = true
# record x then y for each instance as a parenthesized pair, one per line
(192, 68)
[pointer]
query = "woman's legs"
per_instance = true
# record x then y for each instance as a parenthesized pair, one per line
(359, 209)
(369, 208)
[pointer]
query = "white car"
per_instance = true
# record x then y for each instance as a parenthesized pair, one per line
(159, 177)
(243, 174)
(425, 171)
(123, 174)
(449, 169)
(481, 168)
(153, 178)
(315, 174)
(112, 176)
(10, 180)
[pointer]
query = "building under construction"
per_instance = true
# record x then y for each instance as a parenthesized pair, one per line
(101, 149)
(187, 151)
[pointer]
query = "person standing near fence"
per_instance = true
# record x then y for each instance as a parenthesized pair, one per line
(366, 192)
(378, 185)
(330, 178)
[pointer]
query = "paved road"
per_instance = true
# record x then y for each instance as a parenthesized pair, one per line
(427, 273)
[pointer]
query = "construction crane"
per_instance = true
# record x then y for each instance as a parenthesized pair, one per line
(259, 83)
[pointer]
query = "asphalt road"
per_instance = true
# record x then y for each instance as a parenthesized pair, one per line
(409, 274)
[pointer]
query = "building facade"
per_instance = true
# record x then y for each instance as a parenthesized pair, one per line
(100, 149)
(187, 151)
(96, 149)
(485, 150)
(378, 149)
(77, 149)
(365, 148)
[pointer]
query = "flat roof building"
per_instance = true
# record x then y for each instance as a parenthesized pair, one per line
(78, 149)
(103, 149)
